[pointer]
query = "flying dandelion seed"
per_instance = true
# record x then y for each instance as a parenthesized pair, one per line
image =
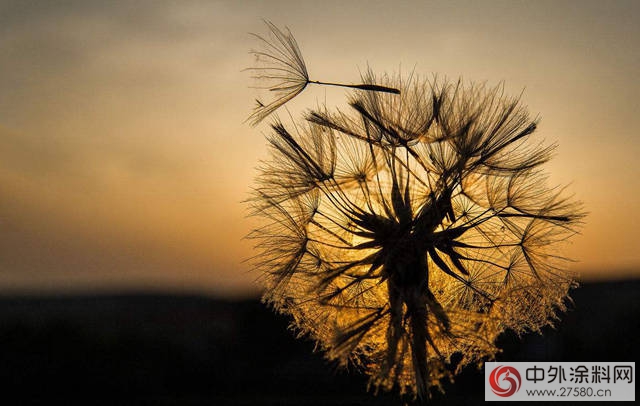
(283, 71)
(417, 226)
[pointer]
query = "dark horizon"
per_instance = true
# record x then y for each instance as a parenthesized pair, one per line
(195, 350)
(619, 275)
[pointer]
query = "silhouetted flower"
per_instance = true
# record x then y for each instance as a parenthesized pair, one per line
(413, 228)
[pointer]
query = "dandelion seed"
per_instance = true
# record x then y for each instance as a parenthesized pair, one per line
(282, 70)
(416, 227)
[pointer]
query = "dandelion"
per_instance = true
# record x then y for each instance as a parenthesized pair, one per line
(283, 71)
(407, 233)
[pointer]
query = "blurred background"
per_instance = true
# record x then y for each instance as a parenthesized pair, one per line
(124, 161)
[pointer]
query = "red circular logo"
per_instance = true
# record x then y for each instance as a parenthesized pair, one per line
(504, 381)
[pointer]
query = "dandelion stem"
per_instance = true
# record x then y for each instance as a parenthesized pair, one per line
(373, 88)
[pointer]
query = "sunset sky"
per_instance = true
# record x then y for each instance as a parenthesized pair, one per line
(125, 158)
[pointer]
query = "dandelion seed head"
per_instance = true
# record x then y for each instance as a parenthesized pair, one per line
(405, 234)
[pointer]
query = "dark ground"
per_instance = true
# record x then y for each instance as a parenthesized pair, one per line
(191, 350)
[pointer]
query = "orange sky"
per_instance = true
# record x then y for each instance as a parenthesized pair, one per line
(124, 157)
